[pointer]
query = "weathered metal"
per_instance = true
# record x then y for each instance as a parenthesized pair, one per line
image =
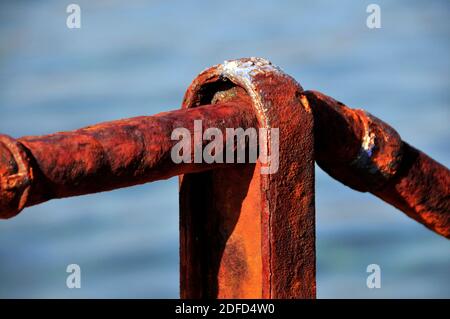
(244, 234)
(102, 157)
(368, 155)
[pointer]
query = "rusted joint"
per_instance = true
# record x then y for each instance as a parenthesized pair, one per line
(368, 155)
(354, 146)
(16, 176)
(381, 149)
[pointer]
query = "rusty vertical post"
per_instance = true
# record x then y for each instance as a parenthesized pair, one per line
(243, 233)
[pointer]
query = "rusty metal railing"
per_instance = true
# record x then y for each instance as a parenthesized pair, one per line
(243, 233)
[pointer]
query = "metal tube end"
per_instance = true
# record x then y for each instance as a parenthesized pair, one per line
(16, 176)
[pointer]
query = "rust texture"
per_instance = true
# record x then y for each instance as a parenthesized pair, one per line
(368, 155)
(103, 157)
(244, 234)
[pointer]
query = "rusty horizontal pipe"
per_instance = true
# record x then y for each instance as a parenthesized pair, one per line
(106, 156)
(368, 155)
(351, 145)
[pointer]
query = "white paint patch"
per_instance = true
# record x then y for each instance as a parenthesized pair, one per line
(242, 72)
(368, 142)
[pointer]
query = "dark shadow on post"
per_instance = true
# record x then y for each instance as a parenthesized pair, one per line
(211, 207)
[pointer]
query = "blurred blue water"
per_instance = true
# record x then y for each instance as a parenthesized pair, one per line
(137, 58)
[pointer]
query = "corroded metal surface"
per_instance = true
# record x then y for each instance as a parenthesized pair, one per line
(368, 155)
(16, 176)
(245, 234)
(103, 157)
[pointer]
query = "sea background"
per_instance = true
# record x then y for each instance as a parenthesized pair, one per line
(137, 57)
